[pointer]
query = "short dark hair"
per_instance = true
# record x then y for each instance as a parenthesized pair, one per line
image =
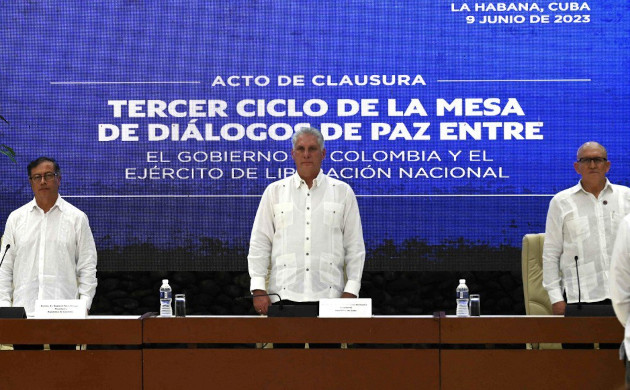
(40, 160)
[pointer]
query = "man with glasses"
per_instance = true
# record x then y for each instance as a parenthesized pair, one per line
(580, 232)
(48, 248)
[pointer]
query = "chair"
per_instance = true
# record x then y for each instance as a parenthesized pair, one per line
(536, 298)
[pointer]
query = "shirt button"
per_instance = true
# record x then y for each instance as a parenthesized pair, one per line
(308, 208)
(605, 202)
(308, 194)
(306, 253)
(307, 269)
(308, 223)
(307, 238)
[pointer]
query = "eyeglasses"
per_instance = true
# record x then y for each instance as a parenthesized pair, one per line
(47, 177)
(588, 160)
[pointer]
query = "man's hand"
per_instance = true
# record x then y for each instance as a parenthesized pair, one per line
(348, 295)
(262, 302)
(558, 308)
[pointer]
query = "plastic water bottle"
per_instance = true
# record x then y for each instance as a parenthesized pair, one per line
(462, 299)
(166, 296)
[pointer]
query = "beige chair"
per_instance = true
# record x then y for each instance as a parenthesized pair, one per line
(536, 297)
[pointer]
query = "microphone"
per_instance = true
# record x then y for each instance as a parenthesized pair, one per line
(577, 274)
(261, 295)
(266, 295)
(6, 249)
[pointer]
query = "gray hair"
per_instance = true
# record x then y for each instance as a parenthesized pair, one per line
(310, 131)
(592, 144)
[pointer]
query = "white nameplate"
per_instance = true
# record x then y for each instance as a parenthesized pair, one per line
(345, 308)
(61, 309)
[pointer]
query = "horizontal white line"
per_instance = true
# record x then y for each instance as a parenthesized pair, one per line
(439, 81)
(517, 81)
(161, 196)
(454, 195)
(359, 196)
(121, 82)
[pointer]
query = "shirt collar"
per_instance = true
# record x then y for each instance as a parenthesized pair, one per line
(59, 203)
(607, 187)
(319, 180)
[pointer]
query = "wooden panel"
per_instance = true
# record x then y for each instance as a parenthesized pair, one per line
(531, 369)
(88, 331)
(287, 330)
(71, 369)
(297, 368)
(291, 369)
(530, 329)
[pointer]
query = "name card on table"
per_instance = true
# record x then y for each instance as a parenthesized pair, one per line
(61, 309)
(345, 308)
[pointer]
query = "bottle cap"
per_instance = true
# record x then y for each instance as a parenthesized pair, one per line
(462, 281)
(164, 281)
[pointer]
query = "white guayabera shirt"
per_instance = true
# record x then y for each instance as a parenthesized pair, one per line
(582, 227)
(307, 236)
(52, 256)
(620, 278)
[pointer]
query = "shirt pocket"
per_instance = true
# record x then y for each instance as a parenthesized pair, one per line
(283, 215)
(285, 270)
(333, 214)
(64, 247)
(331, 271)
(578, 229)
(588, 277)
(615, 219)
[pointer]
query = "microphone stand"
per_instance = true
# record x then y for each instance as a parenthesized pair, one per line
(6, 249)
(577, 274)
(280, 306)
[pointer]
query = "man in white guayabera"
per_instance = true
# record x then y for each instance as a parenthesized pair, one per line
(307, 234)
(581, 226)
(48, 248)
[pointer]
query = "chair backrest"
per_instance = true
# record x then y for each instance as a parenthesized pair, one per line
(536, 297)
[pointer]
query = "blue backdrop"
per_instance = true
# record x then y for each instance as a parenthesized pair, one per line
(169, 119)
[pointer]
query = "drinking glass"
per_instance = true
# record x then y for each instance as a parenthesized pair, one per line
(180, 305)
(475, 305)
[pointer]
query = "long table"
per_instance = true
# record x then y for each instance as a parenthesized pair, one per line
(497, 367)
(384, 352)
(115, 368)
(292, 368)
